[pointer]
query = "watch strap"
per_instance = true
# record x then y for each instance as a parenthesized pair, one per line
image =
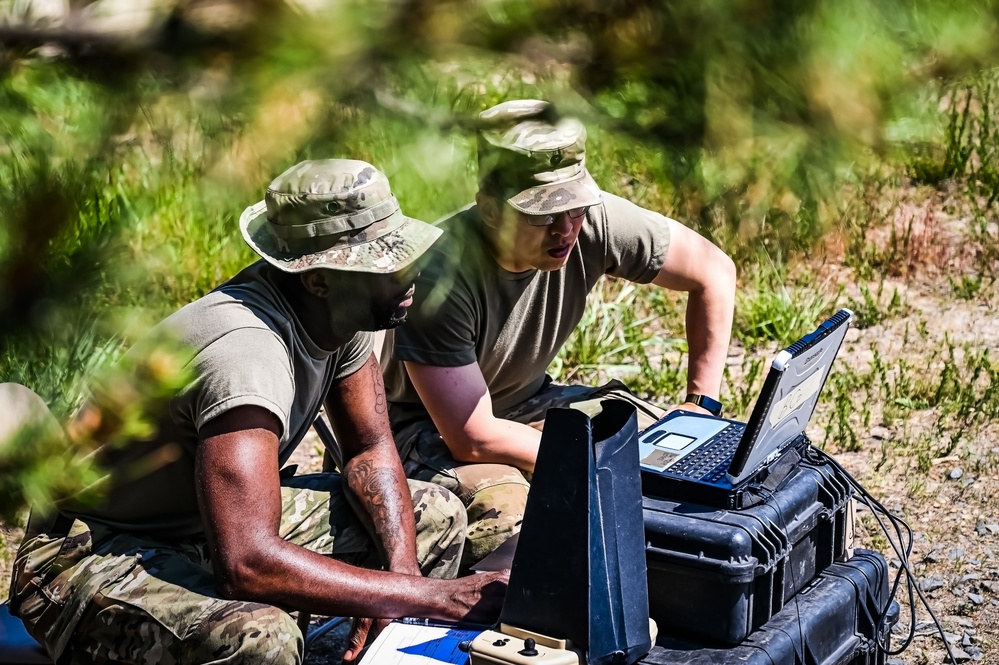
(705, 402)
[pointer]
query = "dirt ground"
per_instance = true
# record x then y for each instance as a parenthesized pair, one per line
(948, 493)
(949, 497)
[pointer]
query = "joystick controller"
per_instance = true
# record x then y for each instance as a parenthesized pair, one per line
(514, 646)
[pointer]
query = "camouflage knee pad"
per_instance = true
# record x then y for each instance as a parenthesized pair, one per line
(441, 525)
(494, 514)
(493, 495)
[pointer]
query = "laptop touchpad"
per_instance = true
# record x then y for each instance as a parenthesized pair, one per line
(671, 440)
(694, 428)
(663, 445)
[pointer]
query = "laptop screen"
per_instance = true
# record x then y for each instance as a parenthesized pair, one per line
(783, 411)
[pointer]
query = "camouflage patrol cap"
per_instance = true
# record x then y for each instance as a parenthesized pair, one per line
(535, 159)
(334, 213)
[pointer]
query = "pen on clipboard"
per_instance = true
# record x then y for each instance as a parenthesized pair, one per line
(434, 623)
(430, 623)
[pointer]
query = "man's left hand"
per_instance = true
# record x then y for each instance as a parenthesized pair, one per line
(690, 406)
(362, 631)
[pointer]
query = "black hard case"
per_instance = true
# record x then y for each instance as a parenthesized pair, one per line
(834, 620)
(716, 575)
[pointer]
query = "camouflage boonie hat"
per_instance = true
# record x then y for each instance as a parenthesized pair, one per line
(537, 159)
(334, 213)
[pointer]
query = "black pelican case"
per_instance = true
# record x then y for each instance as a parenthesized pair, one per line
(842, 617)
(716, 575)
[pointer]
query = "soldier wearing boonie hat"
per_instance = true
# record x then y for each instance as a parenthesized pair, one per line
(466, 377)
(334, 213)
(202, 549)
(534, 159)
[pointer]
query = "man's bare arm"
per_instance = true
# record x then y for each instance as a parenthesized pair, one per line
(357, 409)
(240, 497)
(707, 274)
(459, 403)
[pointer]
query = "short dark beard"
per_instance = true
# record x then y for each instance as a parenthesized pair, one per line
(388, 320)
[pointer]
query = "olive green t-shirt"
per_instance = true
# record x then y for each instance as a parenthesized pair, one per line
(248, 349)
(468, 309)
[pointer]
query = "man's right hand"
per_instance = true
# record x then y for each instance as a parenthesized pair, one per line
(478, 598)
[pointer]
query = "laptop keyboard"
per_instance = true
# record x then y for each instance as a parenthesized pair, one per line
(710, 462)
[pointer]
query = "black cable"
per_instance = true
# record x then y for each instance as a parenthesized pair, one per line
(902, 553)
(794, 581)
(875, 507)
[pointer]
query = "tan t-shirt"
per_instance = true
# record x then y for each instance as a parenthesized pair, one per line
(470, 310)
(249, 349)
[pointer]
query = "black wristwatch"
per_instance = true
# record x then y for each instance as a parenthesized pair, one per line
(705, 402)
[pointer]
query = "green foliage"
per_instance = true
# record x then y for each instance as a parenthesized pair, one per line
(966, 287)
(957, 142)
(44, 462)
(773, 308)
(878, 244)
(741, 393)
(954, 382)
(599, 343)
(659, 347)
(971, 154)
(622, 336)
(985, 234)
(845, 422)
(661, 378)
(869, 311)
(751, 99)
(970, 139)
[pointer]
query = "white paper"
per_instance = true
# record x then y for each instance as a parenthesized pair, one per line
(412, 644)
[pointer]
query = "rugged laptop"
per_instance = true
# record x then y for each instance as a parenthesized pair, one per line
(706, 459)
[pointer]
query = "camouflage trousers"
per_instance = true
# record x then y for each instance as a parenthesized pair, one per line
(495, 495)
(93, 596)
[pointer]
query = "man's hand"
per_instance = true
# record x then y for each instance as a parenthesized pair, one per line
(239, 492)
(474, 599)
(479, 598)
(362, 630)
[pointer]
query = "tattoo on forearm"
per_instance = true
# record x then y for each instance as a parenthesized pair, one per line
(376, 488)
(376, 381)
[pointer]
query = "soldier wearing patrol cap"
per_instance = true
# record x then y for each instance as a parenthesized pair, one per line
(501, 294)
(202, 547)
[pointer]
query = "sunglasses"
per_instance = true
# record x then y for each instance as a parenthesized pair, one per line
(548, 220)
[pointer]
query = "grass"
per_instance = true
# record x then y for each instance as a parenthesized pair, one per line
(600, 342)
(615, 340)
(743, 389)
(776, 306)
(958, 385)
(971, 157)
(870, 309)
